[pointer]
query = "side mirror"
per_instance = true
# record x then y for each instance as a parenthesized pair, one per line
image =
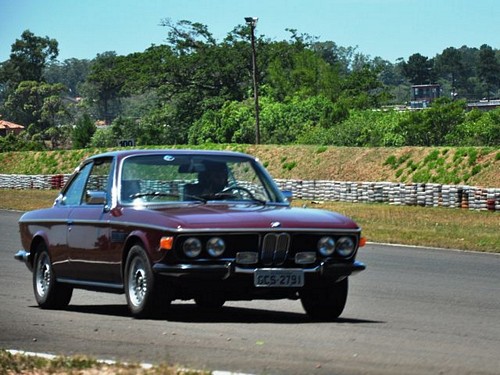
(95, 197)
(288, 195)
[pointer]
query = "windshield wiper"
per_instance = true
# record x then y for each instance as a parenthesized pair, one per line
(195, 198)
(231, 197)
(153, 194)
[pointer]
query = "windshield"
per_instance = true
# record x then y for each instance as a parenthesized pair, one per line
(174, 178)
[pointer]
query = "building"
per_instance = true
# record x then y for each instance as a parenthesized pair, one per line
(484, 105)
(423, 95)
(7, 127)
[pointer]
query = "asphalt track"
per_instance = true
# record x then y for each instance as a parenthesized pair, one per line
(413, 311)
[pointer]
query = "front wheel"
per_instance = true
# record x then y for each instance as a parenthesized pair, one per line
(325, 304)
(49, 293)
(142, 294)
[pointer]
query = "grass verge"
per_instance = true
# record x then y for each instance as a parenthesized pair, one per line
(423, 226)
(81, 365)
(410, 225)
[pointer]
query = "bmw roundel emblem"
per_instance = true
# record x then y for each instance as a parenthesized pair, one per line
(275, 224)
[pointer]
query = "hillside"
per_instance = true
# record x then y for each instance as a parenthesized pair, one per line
(468, 165)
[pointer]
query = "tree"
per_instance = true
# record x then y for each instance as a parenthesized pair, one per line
(449, 64)
(431, 127)
(301, 73)
(37, 105)
(489, 69)
(104, 84)
(82, 132)
(187, 36)
(363, 89)
(30, 54)
(71, 72)
(418, 69)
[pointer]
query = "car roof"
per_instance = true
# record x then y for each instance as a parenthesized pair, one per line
(120, 154)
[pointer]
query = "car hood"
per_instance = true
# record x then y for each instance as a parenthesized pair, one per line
(234, 216)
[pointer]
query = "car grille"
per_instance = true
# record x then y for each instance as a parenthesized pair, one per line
(275, 248)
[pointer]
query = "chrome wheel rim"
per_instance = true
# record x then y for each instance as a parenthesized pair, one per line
(138, 282)
(43, 275)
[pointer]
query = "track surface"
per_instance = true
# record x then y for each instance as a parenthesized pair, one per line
(413, 311)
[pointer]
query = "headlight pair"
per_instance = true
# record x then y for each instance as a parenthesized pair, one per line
(215, 247)
(344, 246)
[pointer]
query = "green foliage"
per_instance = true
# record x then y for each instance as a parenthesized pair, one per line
(443, 166)
(83, 132)
(12, 142)
(478, 129)
(392, 161)
(418, 69)
(233, 123)
(432, 156)
(28, 58)
(197, 90)
(37, 104)
(395, 162)
(289, 165)
(430, 127)
(489, 68)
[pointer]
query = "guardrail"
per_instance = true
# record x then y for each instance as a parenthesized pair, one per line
(411, 194)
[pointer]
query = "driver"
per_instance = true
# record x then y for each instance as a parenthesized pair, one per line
(210, 181)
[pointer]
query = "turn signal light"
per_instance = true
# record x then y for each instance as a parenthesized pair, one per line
(166, 243)
(362, 241)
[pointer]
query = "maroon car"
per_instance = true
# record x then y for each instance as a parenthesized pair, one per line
(161, 225)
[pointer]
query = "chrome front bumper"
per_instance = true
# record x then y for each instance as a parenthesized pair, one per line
(224, 271)
(24, 256)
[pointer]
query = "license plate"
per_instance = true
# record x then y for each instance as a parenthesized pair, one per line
(278, 278)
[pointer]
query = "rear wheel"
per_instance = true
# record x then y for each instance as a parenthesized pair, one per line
(49, 293)
(326, 303)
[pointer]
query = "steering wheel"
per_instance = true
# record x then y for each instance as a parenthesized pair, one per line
(236, 188)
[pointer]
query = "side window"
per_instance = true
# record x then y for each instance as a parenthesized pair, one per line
(73, 194)
(99, 177)
(92, 177)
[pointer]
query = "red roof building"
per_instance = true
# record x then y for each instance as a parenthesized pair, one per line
(7, 127)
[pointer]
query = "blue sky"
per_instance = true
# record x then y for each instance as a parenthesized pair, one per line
(387, 28)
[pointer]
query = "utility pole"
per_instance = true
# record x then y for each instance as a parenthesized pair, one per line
(252, 22)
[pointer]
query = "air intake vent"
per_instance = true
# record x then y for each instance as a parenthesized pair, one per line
(275, 248)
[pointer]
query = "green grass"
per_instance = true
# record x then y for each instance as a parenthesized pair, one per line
(477, 166)
(411, 225)
(422, 226)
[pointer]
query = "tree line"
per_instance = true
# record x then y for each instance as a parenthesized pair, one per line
(194, 89)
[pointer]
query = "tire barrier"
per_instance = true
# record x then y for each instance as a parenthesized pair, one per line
(42, 182)
(414, 194)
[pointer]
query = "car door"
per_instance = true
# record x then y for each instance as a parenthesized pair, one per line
(88, 235)
(69, 198)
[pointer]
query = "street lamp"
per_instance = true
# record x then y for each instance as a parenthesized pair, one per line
(252, 22)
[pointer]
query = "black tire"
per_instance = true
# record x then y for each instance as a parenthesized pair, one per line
(209, 301)
(142, 294)
(325, 304)
(49, 293)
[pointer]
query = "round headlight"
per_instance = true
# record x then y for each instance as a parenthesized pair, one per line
(192, 247)
(216, 246)
(345, 246)
(326, 246)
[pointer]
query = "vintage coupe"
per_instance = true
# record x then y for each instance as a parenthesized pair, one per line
(161, 225)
